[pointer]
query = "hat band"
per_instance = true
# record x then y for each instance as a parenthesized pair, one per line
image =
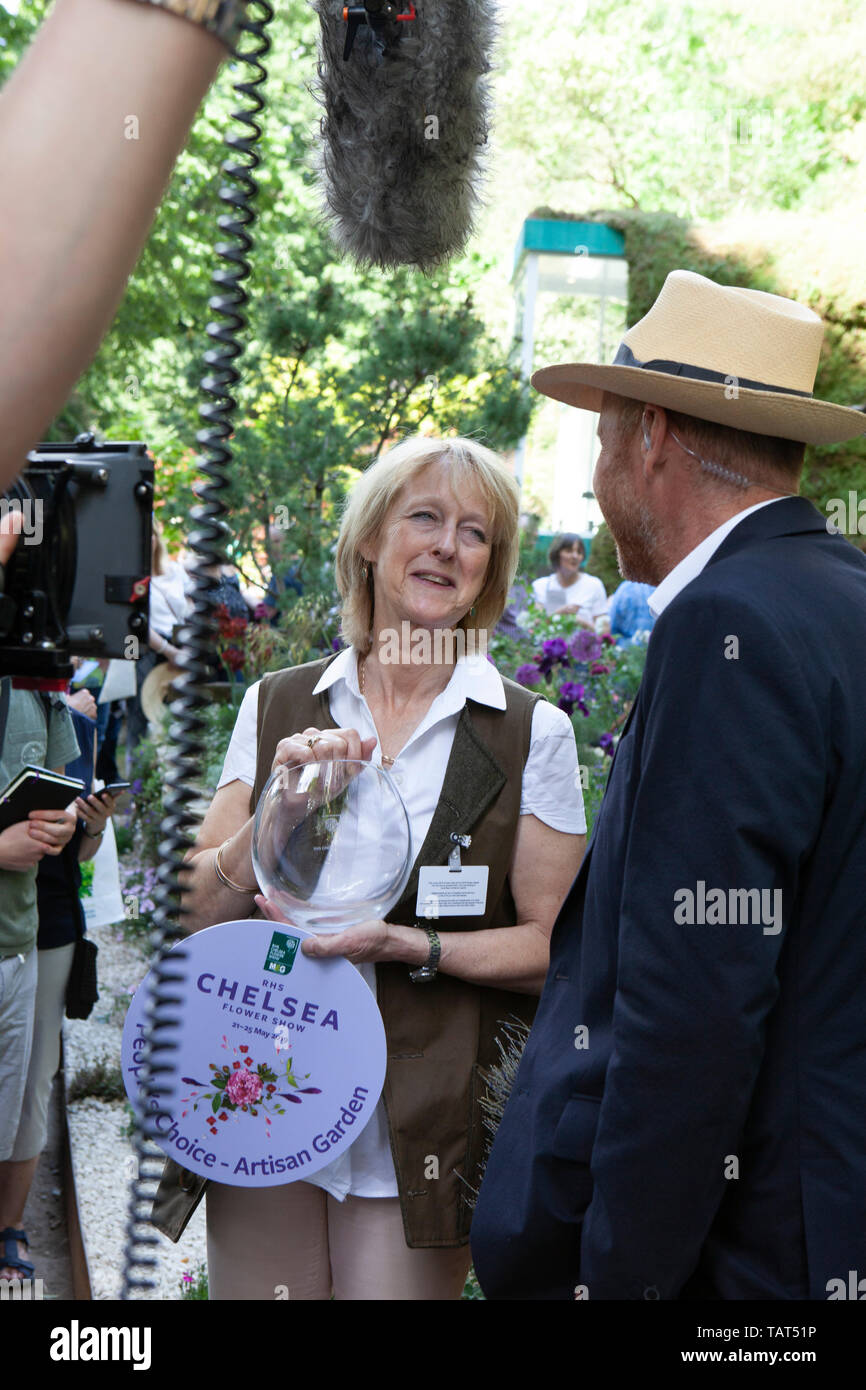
(626, 358)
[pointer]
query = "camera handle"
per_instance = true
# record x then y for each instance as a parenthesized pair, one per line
(208, 545)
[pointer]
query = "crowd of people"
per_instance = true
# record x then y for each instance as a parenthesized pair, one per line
(41, 918)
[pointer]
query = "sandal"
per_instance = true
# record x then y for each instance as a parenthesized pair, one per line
(9, 1260)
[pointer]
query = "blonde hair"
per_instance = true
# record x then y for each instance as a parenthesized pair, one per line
(373, 496)
(159, 549)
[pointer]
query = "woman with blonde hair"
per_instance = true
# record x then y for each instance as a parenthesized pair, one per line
(426, 555)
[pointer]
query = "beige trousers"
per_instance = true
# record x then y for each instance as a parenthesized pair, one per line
(52, 974)
(298, 1242)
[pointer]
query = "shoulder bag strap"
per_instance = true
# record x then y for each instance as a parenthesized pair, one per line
(5, 690)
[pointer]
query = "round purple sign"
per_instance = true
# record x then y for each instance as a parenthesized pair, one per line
(280, 1058)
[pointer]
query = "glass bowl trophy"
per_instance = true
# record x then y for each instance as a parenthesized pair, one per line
(280, 1058)
(331, 843)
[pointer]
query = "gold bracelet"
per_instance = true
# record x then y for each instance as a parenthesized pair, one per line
(223, 878)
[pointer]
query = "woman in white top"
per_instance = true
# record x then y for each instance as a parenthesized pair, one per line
(429, 540)
(567, 590)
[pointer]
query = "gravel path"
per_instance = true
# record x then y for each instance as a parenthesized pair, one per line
(103, 1157)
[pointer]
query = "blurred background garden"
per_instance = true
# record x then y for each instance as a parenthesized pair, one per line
(629, 140)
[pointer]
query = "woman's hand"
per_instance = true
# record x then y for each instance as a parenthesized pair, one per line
(327, 745)
(95, 811)
(52, 830)
(367, 941)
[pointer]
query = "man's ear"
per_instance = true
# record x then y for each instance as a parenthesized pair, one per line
(653, 426)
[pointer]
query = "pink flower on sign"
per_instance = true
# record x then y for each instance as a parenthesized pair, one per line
(244, 1087)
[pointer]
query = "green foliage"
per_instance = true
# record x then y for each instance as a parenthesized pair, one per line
(688, 108)
(219, 720)
(472, 1288)
(602, 560)
(148, 779)
(129, 1127)
(194, 1285)
(123, 837)
(103, 1081)
(86, 887)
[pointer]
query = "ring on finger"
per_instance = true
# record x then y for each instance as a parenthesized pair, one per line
(311, 742)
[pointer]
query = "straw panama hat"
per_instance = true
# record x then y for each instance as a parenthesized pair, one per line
(154, 691)
(738, 357)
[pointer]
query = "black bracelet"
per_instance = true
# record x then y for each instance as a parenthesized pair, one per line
(428, 970)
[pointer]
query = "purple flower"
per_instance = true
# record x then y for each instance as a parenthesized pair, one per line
(528, 674)
(606, 742)
(570, 695)
(136, 786)
(555, 648)
(570, 690)
(598, 668)
(585, 645)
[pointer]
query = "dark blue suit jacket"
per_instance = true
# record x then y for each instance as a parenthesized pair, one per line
(689, 1117)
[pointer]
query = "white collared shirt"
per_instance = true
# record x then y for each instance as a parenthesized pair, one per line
(550, 790)
(691, 565)
(585, 590)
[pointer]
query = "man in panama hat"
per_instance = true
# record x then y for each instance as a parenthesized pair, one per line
(688, 1117)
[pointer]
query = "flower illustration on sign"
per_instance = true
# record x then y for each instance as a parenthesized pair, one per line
(243, 1086)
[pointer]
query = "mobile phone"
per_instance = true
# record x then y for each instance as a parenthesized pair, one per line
(113, 788)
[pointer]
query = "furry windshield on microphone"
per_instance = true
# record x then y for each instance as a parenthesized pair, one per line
(406, 118)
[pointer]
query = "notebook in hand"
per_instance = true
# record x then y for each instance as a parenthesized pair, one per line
(36, 789)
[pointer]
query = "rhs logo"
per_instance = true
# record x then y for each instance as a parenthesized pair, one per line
(281, 953)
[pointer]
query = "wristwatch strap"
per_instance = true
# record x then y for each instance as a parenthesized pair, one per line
(224, 18)
(431, 965)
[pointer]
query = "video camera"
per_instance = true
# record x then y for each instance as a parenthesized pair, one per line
(78, 578)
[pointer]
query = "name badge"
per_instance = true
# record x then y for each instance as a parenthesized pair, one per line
(446, 892)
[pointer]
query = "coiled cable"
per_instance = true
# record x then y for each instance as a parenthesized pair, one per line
(207, 543)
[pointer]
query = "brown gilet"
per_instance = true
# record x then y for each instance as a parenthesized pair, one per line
(441, 1035)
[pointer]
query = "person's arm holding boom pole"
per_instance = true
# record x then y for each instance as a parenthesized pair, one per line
(78, 195)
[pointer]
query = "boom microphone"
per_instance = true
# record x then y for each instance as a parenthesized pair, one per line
(406, 118)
